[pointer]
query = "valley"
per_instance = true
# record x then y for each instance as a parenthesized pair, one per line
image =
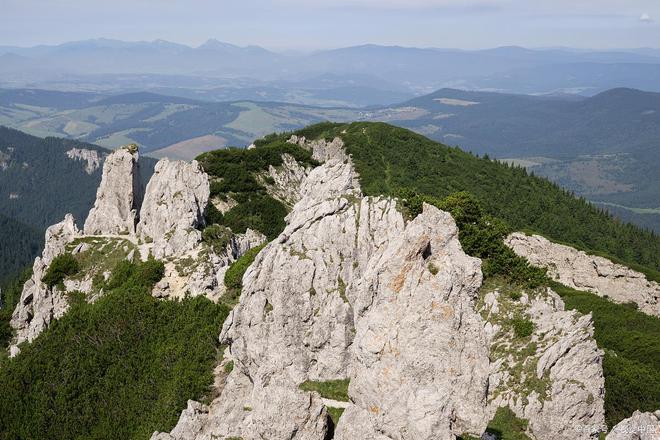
(603, 148)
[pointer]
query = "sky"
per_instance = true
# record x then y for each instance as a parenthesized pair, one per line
(321, 24)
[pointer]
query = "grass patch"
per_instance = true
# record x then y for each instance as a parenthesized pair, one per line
(335, 414)
(331, 389)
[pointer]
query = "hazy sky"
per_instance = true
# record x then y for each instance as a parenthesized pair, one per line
(308, 24)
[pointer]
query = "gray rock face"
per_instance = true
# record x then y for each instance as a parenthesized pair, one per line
(118, 197)
(321, 149)
(554, 378)
(580, 271)
(420, 353)
(641, 426)
(296, 321)
(201, 271)
(91, 158)
(286, 180)
(39, 305)
(173, 208)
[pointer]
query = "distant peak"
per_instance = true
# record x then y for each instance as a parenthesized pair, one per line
(212, 43)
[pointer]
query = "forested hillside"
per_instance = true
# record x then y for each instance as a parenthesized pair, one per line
(39, 184)
(391, 159)
(19, 244)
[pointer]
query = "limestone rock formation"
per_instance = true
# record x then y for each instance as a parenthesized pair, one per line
(321, 149)
(640, 426)
(595, 274)
(201, 271)
(420, 356)
(296, 321)
(39, 304)
(91, 158)
(286, 180)
(554, 377)
(173, 209)
(119, 196)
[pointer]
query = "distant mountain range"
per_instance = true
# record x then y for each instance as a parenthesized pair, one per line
(352, 76)
(604, 147)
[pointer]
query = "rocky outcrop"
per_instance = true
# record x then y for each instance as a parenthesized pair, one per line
(172, 213)
(303, 300)
(284, 182)
(171, 219)
(91, 158)
(553, 378)
(420, 359)
(119, 196)
(581, 271)
(641, 426)
(322, 150)
(201, 271)
(39, 304)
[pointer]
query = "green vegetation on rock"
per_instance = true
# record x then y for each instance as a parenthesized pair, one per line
(631, 340)
(122, 367)
(62, 266)
(234, 275)
(390, 159)
(233, 173)
(330, 389)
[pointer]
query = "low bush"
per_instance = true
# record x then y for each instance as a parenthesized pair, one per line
(62, 266)
(217, 237)
(234, 275)
(120, 368)
(522, 327)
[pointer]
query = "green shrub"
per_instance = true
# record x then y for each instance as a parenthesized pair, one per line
(506, 426)
(217, 237)
(135, 275)
(213, 216)
(234, 275)
(522, 327)
(120, 368)
(259, 212)
(62, 266)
